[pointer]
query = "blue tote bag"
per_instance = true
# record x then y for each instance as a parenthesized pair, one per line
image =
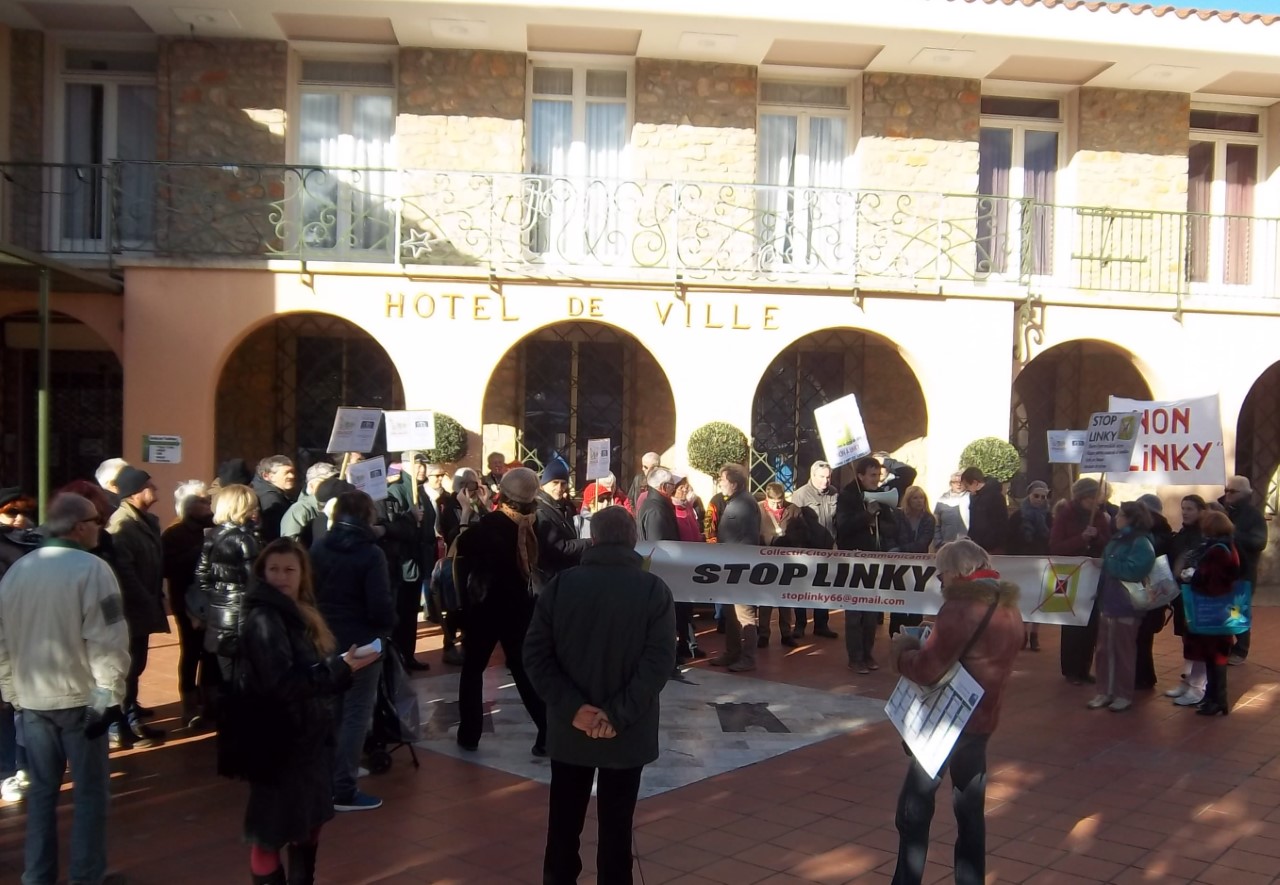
(1225, 615)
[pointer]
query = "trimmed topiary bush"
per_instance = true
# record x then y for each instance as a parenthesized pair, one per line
(993, 456)
(451, 441)
(716, 444)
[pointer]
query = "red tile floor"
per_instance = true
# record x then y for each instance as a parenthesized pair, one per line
(1156, 794)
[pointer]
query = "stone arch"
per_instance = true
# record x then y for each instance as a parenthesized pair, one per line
(1258, 438)
(1059, 390)
(86, 399)
(280, 384)
(575, 380)
(816, 369)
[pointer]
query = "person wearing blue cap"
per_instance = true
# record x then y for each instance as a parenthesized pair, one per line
(559, 546)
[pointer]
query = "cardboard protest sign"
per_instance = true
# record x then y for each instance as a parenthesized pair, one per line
(410, 431)
(1109, 441)
(1179, 442)
(354, 430)
(598, 455)
(369, 477)
(844, 437)
(1066, 446)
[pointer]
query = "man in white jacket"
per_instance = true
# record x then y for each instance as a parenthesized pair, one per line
(64, 652)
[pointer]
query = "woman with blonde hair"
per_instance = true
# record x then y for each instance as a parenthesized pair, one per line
(916, 528)
(280, 737)
(225, 569)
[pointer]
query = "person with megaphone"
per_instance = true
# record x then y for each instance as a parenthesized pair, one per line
(865, 520)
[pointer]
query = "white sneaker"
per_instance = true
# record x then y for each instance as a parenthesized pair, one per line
(1119, 705)
(362, 772)
(1099, 701)
(1178, 690)
(1191, 698)
(14, 789)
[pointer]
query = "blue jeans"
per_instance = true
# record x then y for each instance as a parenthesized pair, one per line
(54, 738)
(353, 714)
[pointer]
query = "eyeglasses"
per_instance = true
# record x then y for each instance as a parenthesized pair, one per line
(435, 476)
(96, 520)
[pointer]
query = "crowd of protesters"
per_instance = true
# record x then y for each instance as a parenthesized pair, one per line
(281, 591)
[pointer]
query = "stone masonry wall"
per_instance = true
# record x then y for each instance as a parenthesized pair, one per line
(26, 143)
(920, 136)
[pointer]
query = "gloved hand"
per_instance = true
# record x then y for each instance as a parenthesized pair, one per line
(96, 723)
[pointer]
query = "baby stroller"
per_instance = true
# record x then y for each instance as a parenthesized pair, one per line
(396, 719)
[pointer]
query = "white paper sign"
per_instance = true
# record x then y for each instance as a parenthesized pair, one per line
(598, 452)
(162, 449)
(930, 719)
(1066, 446)
(410, 431)
(844, 437)
(369, 477)
(354, 430)
(1179, 442)
(1109, 441)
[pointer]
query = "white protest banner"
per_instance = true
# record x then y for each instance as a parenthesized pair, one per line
(354, 430)
(410, 431)
(1066, 446)
(1179, 442)
(844, 437)
(598, 454)
(930, 718)
(369, 477)
(1109, 441)
(1053, 590)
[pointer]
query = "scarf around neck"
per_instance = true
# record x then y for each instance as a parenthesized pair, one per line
(526, 539)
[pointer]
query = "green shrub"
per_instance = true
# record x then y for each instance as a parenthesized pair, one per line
(716, 444)
(451, 441)
(993, 456)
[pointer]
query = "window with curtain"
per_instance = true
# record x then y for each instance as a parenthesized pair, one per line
(802, 147)
(108, 114)
(1018, 157)
(1222, 178)
(577, 158)
(346, 119)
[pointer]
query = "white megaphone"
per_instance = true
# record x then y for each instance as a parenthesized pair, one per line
(888, 497)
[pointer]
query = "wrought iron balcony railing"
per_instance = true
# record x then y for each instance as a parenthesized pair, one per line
(550, 226)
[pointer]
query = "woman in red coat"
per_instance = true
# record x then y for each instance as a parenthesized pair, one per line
(1214, 574)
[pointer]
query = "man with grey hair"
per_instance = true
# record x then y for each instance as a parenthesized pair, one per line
(273, 483)
(181, 544)
(297, 520)
(819, 496)
(640, 482)
(657, 522)
(1250, 540)
(106, 475)
(598, 652)
(739, 524)
(64, 652)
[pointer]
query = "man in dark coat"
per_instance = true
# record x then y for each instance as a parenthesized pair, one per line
(410, 545)
(818, 496)
(640, 481)
(493, 565)
(863, 525)
(274, 486)
(988, 510)
(739, 524)
(559, 546)
(353, 592)
(598, 652)
(139, 552)
(1250, 539)
(657, 522)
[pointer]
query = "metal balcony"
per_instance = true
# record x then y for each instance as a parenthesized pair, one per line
(556, 227)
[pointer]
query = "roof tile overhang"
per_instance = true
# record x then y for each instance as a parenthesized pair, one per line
(1181, 12)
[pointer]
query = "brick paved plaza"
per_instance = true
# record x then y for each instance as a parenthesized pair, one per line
(1157, 794)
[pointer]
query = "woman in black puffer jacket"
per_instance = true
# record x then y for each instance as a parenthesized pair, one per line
(226, 568)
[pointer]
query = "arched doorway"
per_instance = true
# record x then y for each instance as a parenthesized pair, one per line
(86, 400)
(815, 370)
(279, 388)
(572, 382)
(1258, 438)
(1059, 390)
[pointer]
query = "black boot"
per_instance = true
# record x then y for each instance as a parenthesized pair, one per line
(1215, 701)
(276, 877)
(302, 863)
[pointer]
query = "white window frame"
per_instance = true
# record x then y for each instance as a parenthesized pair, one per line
(323, 52)
(840, 252)
(1259, 254)
(1061, 251)
(564, 246)
(56, 125)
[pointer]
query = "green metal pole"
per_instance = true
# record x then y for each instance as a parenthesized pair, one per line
(42, 400)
